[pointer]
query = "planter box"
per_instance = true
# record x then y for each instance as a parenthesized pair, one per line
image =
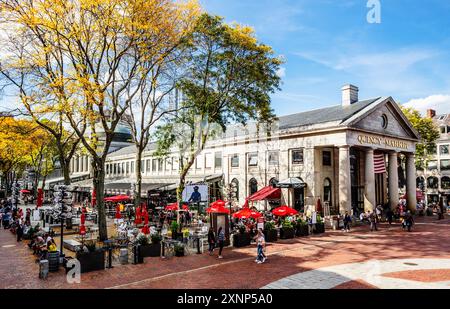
(91, 261)
(152, 250)
(287, 233)
(302, 231)
(241, 240)
(271, 235)
(179, 253)
(320, 228)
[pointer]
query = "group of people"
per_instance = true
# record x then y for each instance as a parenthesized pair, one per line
(42, 245)
(14, 219)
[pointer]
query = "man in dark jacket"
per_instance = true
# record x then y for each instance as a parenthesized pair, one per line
(373, 221)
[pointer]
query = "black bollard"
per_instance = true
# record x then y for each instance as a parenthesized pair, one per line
(198, 245)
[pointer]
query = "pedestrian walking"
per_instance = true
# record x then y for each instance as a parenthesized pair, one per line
(409, 220)
(19, 231)
(373, 221)
(389, 216)
(347, 221)
(211, 241)
(260, 246)
(220, 241)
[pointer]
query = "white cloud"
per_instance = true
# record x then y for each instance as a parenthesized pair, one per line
(438, 102)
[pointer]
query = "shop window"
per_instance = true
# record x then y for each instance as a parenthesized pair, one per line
(445, 183)
(326, 156)
(420, 183)
(444, 149)
(432, 165)
(235, 160)
(445, 165)
(273, 157)
(235, 189)
(297, 156)
(252, 159)
(327, 191)
(218, 160)
(253, 186)
(433, 183)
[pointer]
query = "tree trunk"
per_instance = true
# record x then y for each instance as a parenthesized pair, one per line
(138, 189)
(99, 187)
(65, 166)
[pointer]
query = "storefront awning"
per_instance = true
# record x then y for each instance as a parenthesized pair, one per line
(266, 193)
(291, 183)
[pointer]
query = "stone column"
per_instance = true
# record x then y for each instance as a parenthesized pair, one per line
(369, 182)
(393, 180)
(411, 181)
(345, 189)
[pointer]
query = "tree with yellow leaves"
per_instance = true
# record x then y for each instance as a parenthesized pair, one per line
(89, 60)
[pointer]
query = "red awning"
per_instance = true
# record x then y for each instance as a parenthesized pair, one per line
(268, 192)
(118, 198)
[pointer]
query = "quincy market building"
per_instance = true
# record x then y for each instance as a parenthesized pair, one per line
(346, 155)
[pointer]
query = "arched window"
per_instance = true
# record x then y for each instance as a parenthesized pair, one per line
(445, 183)
(273, 182)
(253, 185)
(327, 190)
(235, 188)
(420, 183)
(433, 182)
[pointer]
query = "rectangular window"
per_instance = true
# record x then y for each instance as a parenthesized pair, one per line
(326, 156)
(160, 165)
(444, 149)
(218, 160)
(168, 163)
(148, 169)
(273, 157)
(208, 160)
(174, 163)
(445, 165)
(198, 162)
(252, 159)
(235, 160)
(132, 166)
(128, 167)
(142, 166)
(154, 165)
(432, 165)
(443, 130)
(297, 156)
(115, 168)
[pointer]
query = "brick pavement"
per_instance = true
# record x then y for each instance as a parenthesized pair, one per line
(429, 240)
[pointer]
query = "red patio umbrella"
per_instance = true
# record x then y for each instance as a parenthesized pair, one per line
(319, 205)
(138, 219)
(40, 198)
(217, 209)
(94, 198)
(247, 213)
(145, 229)
(218, 203)
(25, 191)
(172, 207)
(118, 215)
(284, 211)
(82, 221)
(118, 198)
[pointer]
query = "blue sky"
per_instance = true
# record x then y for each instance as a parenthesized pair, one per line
(328, 43)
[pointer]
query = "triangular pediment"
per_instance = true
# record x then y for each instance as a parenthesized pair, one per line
(384, 117)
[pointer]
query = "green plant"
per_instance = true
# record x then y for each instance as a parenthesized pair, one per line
(174, 226)
(269, 226)
(178, 248)
(287, 225)
(156, 238)
(319, 219)
(91, 247)
(142, 240)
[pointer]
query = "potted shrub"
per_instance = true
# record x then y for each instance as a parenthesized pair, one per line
(241, 239)
(91, 258)
(174, 227)
(179, 250)
(301, 228)
(287, 230)
(270, 232)
(320, 225)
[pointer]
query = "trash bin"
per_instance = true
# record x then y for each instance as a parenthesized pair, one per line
(43, 269)
(53, 261)
(123, 257)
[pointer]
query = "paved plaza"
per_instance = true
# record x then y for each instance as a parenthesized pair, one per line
(390, 258)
